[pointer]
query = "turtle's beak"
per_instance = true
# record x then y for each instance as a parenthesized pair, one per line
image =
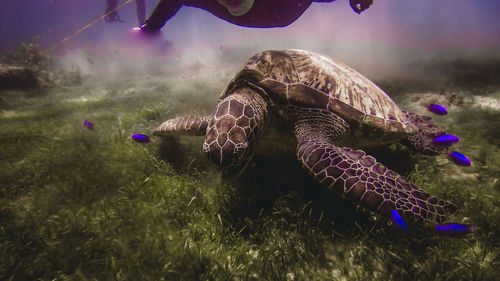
(225, 172)
(230, 162)
(231, 171)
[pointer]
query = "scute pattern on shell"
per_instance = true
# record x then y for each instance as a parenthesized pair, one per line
(306, 79)
(333, 111)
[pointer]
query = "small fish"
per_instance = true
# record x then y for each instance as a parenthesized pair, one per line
(437, 109)
(399, 222)
(445, 140)
(455, 229)
(140, 138)
(88, 124)
(459, 159)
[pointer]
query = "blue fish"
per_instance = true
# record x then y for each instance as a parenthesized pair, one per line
(459, 159)
(445, 140)
(437, 109)
(88, 124)
(140, 138)
(399, 222)
(455, 229)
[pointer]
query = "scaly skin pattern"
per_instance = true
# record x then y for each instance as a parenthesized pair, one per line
(331, 107)
(184, 125)
(360, 177)
(427, 131)
(235, 127)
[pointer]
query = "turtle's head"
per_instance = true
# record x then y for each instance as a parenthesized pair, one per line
(231, 135)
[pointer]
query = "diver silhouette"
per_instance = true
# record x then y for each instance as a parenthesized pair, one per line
(248, 13)
(114, 16)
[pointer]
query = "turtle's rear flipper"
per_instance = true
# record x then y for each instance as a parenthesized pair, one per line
(427, 132)
(361, 178)
(184, 125)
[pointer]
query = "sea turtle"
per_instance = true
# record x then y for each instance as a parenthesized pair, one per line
(333, 113)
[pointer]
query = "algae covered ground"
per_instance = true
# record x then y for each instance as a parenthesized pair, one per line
(80, 204)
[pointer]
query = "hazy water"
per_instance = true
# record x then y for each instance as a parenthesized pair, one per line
(420, 52)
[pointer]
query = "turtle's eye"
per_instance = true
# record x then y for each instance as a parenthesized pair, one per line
(239, 152)
(242, 146)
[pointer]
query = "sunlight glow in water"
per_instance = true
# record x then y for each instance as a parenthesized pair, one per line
(14, 114)
(85, 99)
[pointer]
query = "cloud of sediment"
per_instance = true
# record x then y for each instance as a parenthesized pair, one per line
(381, 41)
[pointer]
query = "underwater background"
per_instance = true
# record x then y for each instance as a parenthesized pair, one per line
(81, 203)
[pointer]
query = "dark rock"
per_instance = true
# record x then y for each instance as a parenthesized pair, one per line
(17, 77)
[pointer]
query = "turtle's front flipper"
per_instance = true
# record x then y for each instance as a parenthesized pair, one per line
(183, 125)
(427, 131)
(360, 177)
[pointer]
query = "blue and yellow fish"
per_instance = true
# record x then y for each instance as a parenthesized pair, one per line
(437, 109)
(455, 229)
(88, 124)
(140, 138)
(399, 222)
(459, 159)
(446, 140)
